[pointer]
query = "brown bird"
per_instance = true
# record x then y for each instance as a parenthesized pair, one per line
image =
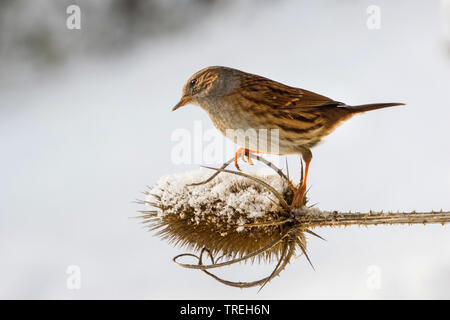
(241, 104)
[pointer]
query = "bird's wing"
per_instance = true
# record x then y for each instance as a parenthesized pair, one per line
(264, 91)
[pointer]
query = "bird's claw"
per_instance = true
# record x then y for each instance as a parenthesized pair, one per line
(243, 153)
(299, 197)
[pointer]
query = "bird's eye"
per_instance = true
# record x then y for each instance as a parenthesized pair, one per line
(193, 82)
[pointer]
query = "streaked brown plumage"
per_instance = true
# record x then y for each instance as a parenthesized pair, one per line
(238, 100)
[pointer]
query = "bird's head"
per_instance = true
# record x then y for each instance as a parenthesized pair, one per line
(206, 84)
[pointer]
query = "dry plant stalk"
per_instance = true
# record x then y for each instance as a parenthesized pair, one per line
(236, 217)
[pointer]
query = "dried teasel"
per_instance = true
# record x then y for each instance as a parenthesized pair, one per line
(233, 217)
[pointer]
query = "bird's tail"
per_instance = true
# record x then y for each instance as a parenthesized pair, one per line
(374, 106)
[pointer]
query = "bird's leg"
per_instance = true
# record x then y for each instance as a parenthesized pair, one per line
(242, 152)
(299, 194)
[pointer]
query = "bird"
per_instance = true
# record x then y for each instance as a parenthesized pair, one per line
(241, 102)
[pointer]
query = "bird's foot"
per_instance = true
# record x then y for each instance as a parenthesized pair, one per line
(299, 197)
(243, 153)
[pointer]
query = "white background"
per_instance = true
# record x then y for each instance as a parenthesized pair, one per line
(79, 145)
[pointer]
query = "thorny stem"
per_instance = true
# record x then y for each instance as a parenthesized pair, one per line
(314, 220)
(337, 219)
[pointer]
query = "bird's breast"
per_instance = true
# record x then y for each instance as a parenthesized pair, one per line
(229, 116)
(258, 129)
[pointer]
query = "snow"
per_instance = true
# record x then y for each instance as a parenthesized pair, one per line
(226, 195)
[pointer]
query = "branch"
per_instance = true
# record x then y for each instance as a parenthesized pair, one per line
(317, 218)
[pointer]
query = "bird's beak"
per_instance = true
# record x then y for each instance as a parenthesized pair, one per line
(184, 100)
